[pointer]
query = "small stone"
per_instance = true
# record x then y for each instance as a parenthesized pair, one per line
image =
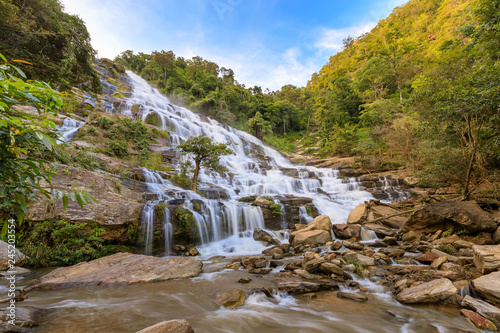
(428, 257)
(231, 299)
(352, 296)
(245, 280)
(306, 275)
(336, 246)
(233, 265)
(438, 262)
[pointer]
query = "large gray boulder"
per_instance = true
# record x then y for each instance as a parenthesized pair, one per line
(486, 258)
(467, 216)
(4, 257)
(429, 292)
(488, 286)
(171, 326)
(118, 269)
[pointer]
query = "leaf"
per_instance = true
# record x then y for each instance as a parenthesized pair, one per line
(3, 58)
(19, 71)
(5, 224)
(22, 61)
(46, 140)
(79, 199)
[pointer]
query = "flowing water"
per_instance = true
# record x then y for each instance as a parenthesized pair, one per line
(225, 227)
(69, 129)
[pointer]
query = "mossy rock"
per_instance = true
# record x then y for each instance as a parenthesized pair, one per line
(153, 119)
(246, 199)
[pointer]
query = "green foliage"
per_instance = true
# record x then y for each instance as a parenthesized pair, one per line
(160, 210)
(259, 126)
(184, 219)
(358, 267)
(205, 153)
(246, 199)
(20, 175)
(56, 243)
(276, 208)
(58, 44)
(448, 248)
(118, 149)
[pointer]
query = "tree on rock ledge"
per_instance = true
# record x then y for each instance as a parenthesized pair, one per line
(205, 153)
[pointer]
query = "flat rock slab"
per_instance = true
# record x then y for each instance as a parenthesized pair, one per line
(486, 258)
(352, 296)
(432, 291)
(486, 310)
(488, 286)
(171, 326)
(120, 269)
(306, 287)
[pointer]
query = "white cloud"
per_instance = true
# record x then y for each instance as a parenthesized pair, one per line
(331, 39)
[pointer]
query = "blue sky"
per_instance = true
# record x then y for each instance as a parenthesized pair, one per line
(268, 43)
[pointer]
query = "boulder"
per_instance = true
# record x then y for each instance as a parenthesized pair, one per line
(352, 296)
(379, 230)
(322, 222)
(496, 236)
(467, 216)
(330, 268)
(486, 258)
(306, 275)
(171, 326)
(486, 310)
(19, 258)
(433, 291)
(394, 222)
(346, 231)
(427, 257)
(119, 269)
(26, 316)
(260, 201)
(310, 237)
(363, 260)
(312, 264)
(478, 320)
(352, 245)
(265, 236)
(488, 286)
(231, 299)
(357, 215)
(306, 287)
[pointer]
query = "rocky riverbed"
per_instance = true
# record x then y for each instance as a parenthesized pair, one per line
(383, 266)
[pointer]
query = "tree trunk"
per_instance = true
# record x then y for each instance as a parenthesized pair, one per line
(195, 176)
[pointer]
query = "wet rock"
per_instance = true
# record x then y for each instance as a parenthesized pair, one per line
(25, 316)
(379, 230)
(336, 246)
(231, 299)
(346, 231)
(428, 292)
(410, 236)
(120, 268)
(427, 258)
(478, 320)
(390, 240)
(245, 280)
(363, 260)
(488, 286)
(306, 275)
(438, 262)
(254, 262)
(486, 310)
(352, 245)
(171, 326)
(467, 216)
(261, 271)
(496, 236)
(329, 268)
(17, 271)
(349, 268)
(352, 296)
(275, 252)
(392, 252)
(19, 257)
(264, 236)
(233, 265)
(312, 264)
(310, 237)
(310, 295)
(486, 258)
(306, 287)
(193, 252)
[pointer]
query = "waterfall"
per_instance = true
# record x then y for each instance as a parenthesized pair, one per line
(255, 169)
(69, 128)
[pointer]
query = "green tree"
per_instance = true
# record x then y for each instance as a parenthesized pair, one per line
(21, 175)
(259, 126)
(205, 153)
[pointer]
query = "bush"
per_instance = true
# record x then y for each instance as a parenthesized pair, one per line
(118, 149)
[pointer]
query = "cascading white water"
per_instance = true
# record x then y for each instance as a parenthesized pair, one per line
(254, 169)
(69, 128)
